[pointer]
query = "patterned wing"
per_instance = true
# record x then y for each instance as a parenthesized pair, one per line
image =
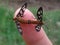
(21, 12)
(39, 17)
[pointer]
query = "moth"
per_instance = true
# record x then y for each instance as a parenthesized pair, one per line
(39, 21)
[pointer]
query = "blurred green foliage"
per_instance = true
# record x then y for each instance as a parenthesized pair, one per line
(9, 34)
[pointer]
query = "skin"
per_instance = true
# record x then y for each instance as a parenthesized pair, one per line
(30, 35)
